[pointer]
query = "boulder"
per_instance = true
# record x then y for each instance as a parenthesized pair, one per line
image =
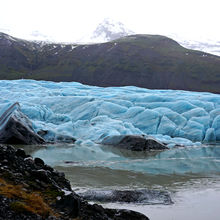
(16, 128)
(134, 143)
(56, 138)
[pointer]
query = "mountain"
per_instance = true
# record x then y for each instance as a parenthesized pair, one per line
(107, 30)
(203, 44)
(212, 47)
(150, 61)
(110, 29)
(34, 35)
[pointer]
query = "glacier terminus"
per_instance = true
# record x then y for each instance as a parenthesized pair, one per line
(91, 114)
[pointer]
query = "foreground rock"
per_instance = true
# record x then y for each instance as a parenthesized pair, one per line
(16, 128)
(143, 196)
(134, 143)
(30, 189)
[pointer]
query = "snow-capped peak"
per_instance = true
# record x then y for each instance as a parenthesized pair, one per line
(107, 30)
(203, 44)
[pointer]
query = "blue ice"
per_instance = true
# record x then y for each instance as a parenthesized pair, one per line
(90, 113)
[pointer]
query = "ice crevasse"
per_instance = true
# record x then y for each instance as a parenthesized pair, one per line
(91, 114)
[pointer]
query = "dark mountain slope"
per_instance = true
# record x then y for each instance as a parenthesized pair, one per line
(149, 61)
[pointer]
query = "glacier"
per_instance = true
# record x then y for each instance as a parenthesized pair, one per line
(90, 113)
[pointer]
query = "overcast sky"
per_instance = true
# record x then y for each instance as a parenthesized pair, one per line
(68, 20)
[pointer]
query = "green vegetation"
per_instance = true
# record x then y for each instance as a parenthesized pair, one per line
(150, 61)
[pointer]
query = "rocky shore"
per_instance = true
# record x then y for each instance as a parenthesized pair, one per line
(30, 189)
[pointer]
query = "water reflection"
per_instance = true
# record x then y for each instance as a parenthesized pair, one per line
(191, 175)
(191, 160)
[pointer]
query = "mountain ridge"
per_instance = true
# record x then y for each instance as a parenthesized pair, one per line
(149, 61)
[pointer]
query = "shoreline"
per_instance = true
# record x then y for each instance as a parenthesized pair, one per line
(30, 189)
(200, 204)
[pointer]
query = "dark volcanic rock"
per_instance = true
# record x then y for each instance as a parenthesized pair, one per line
(16, 128)
(60, 138)
(64, 139)
(23, 169)
(34, 176)
(7, 213)
(143, 196)
(120, 214)
(76, 207)
(134, 143)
